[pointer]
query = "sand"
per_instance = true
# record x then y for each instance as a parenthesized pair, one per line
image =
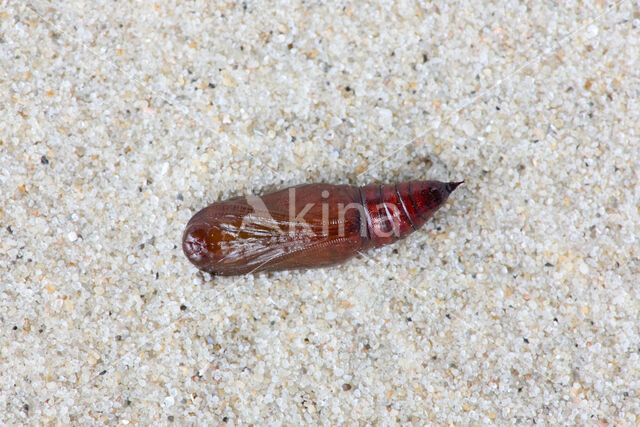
(518, 302)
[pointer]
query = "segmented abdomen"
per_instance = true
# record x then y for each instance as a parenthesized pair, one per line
(394, 211)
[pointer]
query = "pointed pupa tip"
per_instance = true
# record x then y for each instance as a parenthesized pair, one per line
(453, 185)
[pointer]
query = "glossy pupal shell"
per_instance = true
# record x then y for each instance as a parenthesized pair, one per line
(307, 226)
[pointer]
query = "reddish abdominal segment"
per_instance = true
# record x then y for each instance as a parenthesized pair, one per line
(397, 210)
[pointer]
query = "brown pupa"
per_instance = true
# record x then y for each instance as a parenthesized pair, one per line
(307, 226)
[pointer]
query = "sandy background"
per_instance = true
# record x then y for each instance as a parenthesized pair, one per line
(518, 302)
